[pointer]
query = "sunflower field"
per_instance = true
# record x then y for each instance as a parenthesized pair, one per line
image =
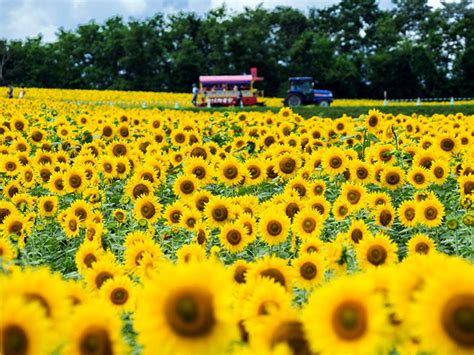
(147, 231)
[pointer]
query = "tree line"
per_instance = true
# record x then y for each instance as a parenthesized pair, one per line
(354, 48)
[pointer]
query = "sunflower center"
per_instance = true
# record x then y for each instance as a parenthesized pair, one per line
(392, 178)
(119, 150)
(409, 213)
(220, 213)
(239, 274)
(72, 225)
(292, 209)
(362, 173)
(180, 138)
(269, 141)
(75, 181)
(89, 259)
(468, 187)
(335, 162)
(438, 172)
(353, 197)
(28, 176)
(102, 277)
(309, 224)
(376, 255)
(385, 218)
(199, 152)
(447, 144)
(431, 213)
(199, 172)
(419, 178)
(249, 227)
(274, 228)
(15, 228)
(95, 341)
(11, 166)
(308, 270)
(422, 248)
(287, 165)
(373, 120)
(357, 235)
(201, 203)
(48, 206)
(343, 210)
(457, 318)
(148, 210)
(234, 237)
(350, 320)
(292, 334)
(274, 274)
(15, 340)
(119, 296)
(255, 172)
(187, 187)
(190, 314)
(231, 172)
(108, 167)
(140, 189)
(300, 189)
(121, 168)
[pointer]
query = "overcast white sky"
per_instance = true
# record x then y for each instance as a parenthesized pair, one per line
(26, 18)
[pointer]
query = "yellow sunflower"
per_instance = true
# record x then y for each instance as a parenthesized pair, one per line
(376, 251)
(119, 292)
(234, 237)
(346, 317)
(7, 250)
(138, 186)
(256, 171)
(264, 297)
(287, 165)
(307, 223)
(75, 180)
(199, 168)
(334, 161)
(358, 230)
(185, 186)
(418, 177)
(392, 177)
(430, 212)
(191, 304)
(48, 206)
(310, 269)
(147, 208)
(24, 328)
(406, 213)
(421, 244)
(274, 226)
(273, 268)
(94, 328)
(219, 211)
(384, 216)
(444, 310)
(439, 171)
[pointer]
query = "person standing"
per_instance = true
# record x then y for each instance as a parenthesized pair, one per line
(22, 91)
(10, 91)
(195, 94)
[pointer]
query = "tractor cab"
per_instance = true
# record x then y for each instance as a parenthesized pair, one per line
(302, 92)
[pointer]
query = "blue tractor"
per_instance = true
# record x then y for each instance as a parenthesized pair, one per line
(302, 92)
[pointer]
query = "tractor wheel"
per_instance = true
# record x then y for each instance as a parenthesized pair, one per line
(324, 104)
(293, 100)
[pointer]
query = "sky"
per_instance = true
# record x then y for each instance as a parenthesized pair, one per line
(20, 19)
